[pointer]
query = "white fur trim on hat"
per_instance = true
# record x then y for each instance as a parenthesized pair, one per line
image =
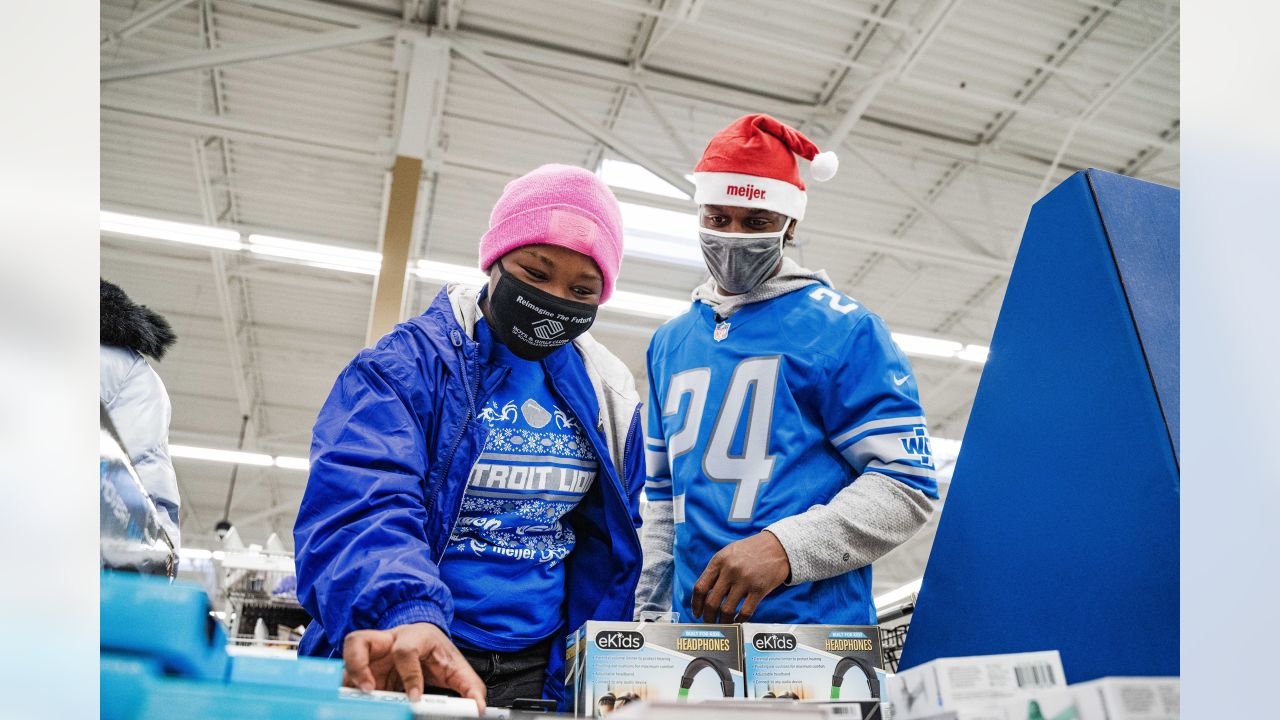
(753, 191)
(823, 166)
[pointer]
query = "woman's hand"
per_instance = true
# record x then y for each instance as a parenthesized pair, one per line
(408, 657)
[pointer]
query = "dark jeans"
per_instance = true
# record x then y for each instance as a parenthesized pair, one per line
(509, 675)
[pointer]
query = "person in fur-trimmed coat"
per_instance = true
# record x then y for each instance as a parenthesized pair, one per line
(135, 397)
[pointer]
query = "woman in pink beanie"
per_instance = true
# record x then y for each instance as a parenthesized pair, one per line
(475, 477)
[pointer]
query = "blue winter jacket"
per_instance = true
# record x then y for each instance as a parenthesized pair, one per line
(392, 450)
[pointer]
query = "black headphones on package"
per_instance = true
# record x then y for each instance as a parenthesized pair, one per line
(695, 667)
(845, 664)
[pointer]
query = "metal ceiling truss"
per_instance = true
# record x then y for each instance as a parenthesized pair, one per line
(143, 20)
(235, 306)
(840, 111)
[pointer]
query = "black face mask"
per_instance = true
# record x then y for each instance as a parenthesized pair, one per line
(533, 323)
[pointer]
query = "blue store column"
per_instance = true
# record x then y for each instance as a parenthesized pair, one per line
(1060, 529)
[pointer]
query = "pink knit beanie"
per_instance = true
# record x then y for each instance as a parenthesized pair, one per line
(558, 205)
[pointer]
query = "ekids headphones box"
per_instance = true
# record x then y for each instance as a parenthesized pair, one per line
(812, 662)
(613, 664)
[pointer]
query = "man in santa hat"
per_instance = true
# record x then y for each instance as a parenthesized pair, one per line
(786, 446)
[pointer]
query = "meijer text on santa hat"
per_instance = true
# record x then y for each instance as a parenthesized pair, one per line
(752, 163)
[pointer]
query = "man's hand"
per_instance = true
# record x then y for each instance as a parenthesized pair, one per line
(741, 573)
(408, 657)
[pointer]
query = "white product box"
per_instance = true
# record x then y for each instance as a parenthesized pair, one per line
(1128, 698)
(967, 714)
(1051, 704)
(972, 683)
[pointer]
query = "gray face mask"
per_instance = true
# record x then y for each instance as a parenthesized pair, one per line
(739, 262)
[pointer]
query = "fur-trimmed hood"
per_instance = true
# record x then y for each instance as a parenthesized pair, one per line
(125, 323)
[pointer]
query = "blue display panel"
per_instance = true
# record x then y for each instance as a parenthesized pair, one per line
(1060, 529)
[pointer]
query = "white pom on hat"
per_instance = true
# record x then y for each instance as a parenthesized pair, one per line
(824, 165)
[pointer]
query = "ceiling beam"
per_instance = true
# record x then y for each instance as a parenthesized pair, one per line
(505, 75)
(1040, 77)
(173, 120)
(303, 43)
(142, 20)
(959, 235)
(1102, 99)
(426, 62)
(686, 152)
(237, 314)
(894, 67)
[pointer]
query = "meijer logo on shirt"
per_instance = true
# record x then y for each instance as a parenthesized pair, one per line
(749, 192)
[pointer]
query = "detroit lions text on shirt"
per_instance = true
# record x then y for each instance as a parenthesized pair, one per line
(505, 560)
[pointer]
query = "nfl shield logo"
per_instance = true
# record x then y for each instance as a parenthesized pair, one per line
(722, 331)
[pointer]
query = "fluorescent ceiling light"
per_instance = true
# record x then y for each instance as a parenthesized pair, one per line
(633, 177)
(292, 463)
(145, 227)
(189, 554)
(663, 235)
(641, 304)
(228, 456)
(937, 347)
(652, 233)
(286, 462)
(898, 594)
(448, 272)
(917, 345)
(333, 257)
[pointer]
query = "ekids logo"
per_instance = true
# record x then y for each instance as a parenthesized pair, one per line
(619, 640)
(747, 192)
(774, 642)
(548, 329)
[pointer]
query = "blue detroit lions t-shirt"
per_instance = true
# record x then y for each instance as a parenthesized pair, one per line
(505, 560)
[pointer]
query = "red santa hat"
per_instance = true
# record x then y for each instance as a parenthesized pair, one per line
(752, 163)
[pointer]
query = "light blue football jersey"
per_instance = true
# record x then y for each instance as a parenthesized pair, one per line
(767, 414)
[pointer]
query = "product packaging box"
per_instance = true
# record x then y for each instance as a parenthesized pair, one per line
(1128, 698)
(1049, 704)
(972, 683)
(812, 662)
(618, 663)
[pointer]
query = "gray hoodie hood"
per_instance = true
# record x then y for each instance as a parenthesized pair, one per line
(790, 278)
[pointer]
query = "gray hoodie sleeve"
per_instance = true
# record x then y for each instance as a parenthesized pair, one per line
(657, 539)
(865, 520)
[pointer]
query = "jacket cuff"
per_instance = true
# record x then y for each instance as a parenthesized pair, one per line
(790, 532)
(413, 611)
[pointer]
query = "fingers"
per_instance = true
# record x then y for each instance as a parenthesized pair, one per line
(732, 599)
(464, 681)
(749, 606)
(356, 649)
(408, 664)
(704, 584)
(715, 596)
